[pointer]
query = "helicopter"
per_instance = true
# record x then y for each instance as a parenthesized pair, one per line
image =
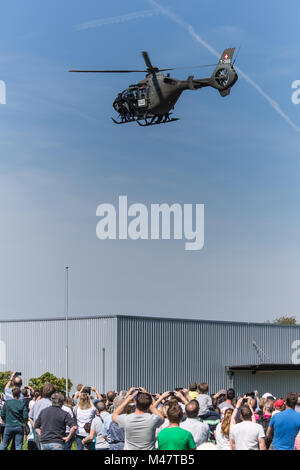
(150, 101)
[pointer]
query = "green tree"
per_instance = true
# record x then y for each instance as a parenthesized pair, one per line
(47, 378)
(285, 320)
(4, 378)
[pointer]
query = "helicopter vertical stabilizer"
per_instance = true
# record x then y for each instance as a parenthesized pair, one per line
(227, 56)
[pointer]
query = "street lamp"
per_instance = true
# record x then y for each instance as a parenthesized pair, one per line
(66, 326)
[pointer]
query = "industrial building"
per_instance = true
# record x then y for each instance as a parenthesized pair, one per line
(116, 352)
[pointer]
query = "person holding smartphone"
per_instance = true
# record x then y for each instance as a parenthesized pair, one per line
(246, 435)
(139, 426)
(14, 381)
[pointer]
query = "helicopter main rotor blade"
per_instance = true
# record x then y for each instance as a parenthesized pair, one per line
(119, 71)
(147, 60)
(108, 71)
(149, 70)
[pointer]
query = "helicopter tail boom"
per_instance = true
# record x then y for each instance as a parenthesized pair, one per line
(223, 77)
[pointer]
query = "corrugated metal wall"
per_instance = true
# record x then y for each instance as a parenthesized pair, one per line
(278, 383)
(164, 354)
(34, 347)
(157, 353)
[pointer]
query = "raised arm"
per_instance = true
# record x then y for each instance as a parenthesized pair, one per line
(154, 410)
(10, 380)
(160, 399)
(118, 411)
(186, 394)
(220, 392)
(235, 411)
(130, 391)
(99, 396)
(257, 399)
(181, 397)
(253, 419)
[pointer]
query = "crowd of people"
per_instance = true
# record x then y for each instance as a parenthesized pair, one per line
(183, 419)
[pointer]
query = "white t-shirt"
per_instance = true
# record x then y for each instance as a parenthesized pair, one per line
(70, 412)
(222, 441)
(199, 430)
(30, 404)
(83, 417)
(246, 435)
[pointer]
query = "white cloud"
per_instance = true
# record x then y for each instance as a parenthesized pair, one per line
(117, 19)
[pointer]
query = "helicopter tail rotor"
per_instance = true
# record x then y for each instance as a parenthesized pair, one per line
(224, 76)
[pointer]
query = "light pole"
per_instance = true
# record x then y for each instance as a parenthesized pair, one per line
(66, 326)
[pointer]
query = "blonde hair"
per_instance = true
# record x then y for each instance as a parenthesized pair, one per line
(262, 402)
(225, 426)
(164, 410)
(84, 401)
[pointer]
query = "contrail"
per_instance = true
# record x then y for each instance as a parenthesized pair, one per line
(117, 19)
(191, 31)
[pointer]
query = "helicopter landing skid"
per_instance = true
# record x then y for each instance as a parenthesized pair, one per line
(157, 120)
(124, 121)
(148, 121)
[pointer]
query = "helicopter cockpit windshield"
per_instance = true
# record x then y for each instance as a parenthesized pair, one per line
(130, 101)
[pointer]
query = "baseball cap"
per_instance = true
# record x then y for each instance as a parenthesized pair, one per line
(279, 403)
(269, 395)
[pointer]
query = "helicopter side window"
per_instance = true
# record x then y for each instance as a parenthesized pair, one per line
(141, 97)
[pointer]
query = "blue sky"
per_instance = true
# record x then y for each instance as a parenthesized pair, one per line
(61, 156)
